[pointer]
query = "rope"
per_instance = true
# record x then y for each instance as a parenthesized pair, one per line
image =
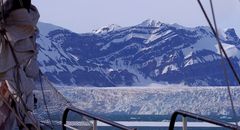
(45, 78)
(44, 100)
(223, 53)
(224, 67)
(13, 111)
(221, 47)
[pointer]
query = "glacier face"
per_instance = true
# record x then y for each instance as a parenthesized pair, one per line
(153, 100)
(150, 52)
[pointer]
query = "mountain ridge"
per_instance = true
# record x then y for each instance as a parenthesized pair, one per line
(153, 52)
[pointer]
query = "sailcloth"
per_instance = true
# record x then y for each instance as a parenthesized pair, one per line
(18, 63)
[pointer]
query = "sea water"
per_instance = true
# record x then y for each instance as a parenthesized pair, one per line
(150, 122)
(145, 122)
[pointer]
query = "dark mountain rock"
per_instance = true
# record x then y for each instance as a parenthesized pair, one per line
(146, 53)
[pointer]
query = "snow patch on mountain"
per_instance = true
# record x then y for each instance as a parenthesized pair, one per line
(202, 44)
(150, 23)
(169, 68)
(178, 26)
(231, 50)
(156, 36)
(107, 29)
(51, 54)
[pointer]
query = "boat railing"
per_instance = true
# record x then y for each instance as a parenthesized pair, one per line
(186, 114)
(95, 119)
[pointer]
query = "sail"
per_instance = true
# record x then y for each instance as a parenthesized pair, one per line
(18, 65)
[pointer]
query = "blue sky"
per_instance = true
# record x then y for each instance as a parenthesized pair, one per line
(87, 15)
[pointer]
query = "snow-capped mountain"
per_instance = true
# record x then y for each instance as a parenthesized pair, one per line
(150, 23)
(107, 29)
(149, 52)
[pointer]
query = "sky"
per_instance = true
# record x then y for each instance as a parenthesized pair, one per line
(86, 15)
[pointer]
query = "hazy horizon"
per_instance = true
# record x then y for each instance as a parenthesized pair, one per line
(84, 16)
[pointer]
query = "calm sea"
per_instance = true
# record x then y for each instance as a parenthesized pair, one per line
(160, 118)
(150, 122)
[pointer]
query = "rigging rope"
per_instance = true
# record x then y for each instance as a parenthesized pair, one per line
(218, 40)
(224, 67)
(13, 111)
(44, 100)
(223, 53)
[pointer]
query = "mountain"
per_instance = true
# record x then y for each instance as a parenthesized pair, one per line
(107, 29)
(150, 52)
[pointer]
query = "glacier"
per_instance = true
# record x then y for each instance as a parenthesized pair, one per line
(153, 100)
